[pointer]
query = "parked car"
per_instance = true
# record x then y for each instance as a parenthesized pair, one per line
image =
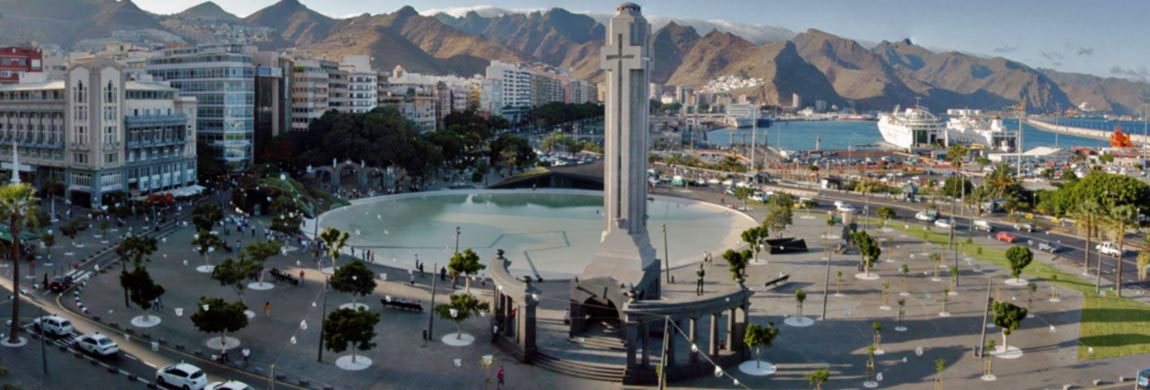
(181, 375)
(1050, 246)
(1143, 381)
(229, 385)
(944, 223)
(1029, 228)
(983, 225)
(53, 325)
(846, 208)
(97, 344)
(1006, 236)
(927, 215)
(1108, 248)
(60, 283)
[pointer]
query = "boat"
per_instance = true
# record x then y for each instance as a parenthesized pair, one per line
(914, 127)
(969, 127)
(740, 115)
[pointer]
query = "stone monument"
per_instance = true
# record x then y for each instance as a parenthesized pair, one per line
(624, 268)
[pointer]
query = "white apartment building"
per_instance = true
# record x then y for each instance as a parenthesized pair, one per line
(98, 132)
(511, 92)
(362, 84)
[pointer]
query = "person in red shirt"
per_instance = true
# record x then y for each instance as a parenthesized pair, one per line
(499, 375)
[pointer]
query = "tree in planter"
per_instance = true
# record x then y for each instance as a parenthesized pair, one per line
(354, 278)
(870, 382)
(104, 226)
(886, 214)
(233, 272)
(954, 279)
(877, 336)
(142, 290)
(905, 270)
(868, 249)
(464, 306)
(17, 205)
(901, 313)
(1030, 290)
(134, 248)
(1008, 317)
(839, 284)
(1053, 287)
(885, 291)
(800, 296)
(334, 240)
(1019, 257)
(987, 361)
(780, 213)
(818, 377)
(737, 262)
(205, 242)
(760, 336)
(945, 295)
(346, 328)
(206, 215)
(465, 263)
(754, 237)
(937, 260)
(260, 252)
(214, 315)
(49, 241)
(939, 366)
(70, 230)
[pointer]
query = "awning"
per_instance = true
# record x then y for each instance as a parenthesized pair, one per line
(25, 236)
(179, 192)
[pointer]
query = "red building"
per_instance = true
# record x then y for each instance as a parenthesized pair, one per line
(16, 60)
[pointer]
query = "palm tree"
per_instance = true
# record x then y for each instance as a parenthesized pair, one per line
(1120, 218)
(955, 155)
(1086, 220)
(18, 203)
(1001, 181)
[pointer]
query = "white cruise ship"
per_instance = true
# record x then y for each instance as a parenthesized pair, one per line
(911, 128)
(740, 115)
(969, 127)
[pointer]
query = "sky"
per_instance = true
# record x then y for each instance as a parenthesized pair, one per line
(1104, 38)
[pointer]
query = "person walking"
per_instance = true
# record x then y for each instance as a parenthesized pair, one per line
(499, 375)
(267, 309)
(699, 285)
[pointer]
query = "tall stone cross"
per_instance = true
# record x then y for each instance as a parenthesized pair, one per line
(15, 164)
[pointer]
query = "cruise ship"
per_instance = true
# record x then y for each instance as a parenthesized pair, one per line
(743, 116)
(914, 127)
(965, 126)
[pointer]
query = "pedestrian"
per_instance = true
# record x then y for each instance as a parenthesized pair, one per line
(224, 356)
(494, 331)
(499, 375)
(246, 352)
(301, 274)
(443, 274)
(412, 277)
(267, 308)
(699, 285)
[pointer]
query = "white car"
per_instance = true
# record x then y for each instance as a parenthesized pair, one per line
(97, 344)
(229, 385)
(53, 325)
(926, 215)
(846, 207)
(183, 376)
(944, 223)
(1109, 248)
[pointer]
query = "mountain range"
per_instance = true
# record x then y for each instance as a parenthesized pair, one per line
(813, 63)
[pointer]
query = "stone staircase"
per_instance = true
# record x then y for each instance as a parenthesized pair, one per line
(599, 372)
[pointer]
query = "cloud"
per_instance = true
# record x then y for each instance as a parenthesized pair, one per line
(487, 11)
(1140, 72)
(1079, 50)
(1051, 55)
(1006, 49)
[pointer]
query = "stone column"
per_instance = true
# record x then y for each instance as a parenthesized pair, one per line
(731, 331)
(713, 348)
(644, 330)
(694, 357)
(671, 332)
(629, 331)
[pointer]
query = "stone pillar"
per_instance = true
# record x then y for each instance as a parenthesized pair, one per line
(731, 331)
(527, 341)
(694, 357)
(644, 330)
(713, 348)
(629, 331)
(671, 332)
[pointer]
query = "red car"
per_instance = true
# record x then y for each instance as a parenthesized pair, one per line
(1006, 236)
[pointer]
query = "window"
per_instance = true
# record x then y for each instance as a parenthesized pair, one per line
(111, 158)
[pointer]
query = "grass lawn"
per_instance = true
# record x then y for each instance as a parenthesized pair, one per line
(1113, 326)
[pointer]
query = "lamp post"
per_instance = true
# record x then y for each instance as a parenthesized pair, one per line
(457, 239)
(322, 322)
(666, 254)
(827, 278)
(430, 313)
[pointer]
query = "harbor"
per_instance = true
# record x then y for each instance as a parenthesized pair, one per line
(1084, 132)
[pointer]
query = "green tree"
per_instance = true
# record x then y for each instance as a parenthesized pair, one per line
(780, 213)
(1143, 263)
(214, 315)
(233, 272)
(18, 205)
(758, 337)
(818, 377)
(206, 215)
(134, 248)
(754, 237)
(462, 307)
(142, 290)
(1087, 218)
(939, 366)
(346, 328)
(260, 252)
(288, 215)
(1118, 219)
(354, 278)
(800, 296)
(904, 270)
(868, 249)
(737, 262)
(334, 240)
(70, 229)
(742, 193)
(1008, 317)
(49, 241)
(886, 213)
(465, 263)
(1001, 181)
(1019, 257)
(205, 242)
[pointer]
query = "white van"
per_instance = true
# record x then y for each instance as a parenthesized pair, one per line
(983, 225)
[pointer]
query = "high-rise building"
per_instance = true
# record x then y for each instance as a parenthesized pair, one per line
(272, 99)
(97, 132)
(221, 77)
(17, 60)
(512, 97)
(362, 84)
(310, 91)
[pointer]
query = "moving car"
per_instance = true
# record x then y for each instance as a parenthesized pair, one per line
(1109, 248)
(53, 325)
(1005, 236)
(60, 283)
(181, 375)
(983, 225)
(846, 208)
(229, 385)
(1143, 381)
(1029, 228)
(97, 344)
(1050, 246)
(927, 215)
(944, 223)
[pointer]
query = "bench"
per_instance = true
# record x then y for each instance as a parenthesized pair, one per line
(402, 305)
(777, 281)
(283, 277)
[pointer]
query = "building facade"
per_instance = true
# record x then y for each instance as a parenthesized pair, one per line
(222, 79)
(15, 61)
(98, 132)
(310, 91)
